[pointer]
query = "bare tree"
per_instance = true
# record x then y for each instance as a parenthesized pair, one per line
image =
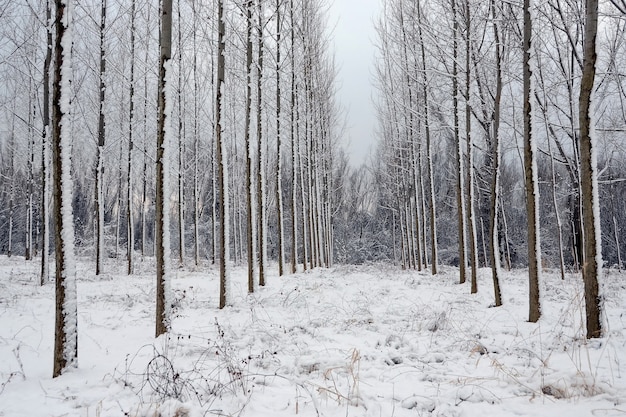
(66, 318)
(531, 176)
(279, 159)
(162, 232)
(250, 196)
(130, 225)
(221, 160)
(592, 266)
(101, 142)
(494, 247)
(45, 159)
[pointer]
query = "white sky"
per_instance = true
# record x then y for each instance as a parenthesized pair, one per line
(353, 35)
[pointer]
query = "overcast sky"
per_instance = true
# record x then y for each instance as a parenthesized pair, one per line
(353, 39)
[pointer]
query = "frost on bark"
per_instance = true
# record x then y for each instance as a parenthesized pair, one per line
(45, 159)
(592, 266)
(531, 176)
(130, 227)
(494, 249)
(162, 232)
(460, 190)
(261, 198)
(100, 153)
(221, 161)
(65, 339)
(250, 196)
(279, 160)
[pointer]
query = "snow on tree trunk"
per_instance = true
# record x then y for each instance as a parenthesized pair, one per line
(66, 336)
(222, 163)
(130, 226)
(45, 153)
(494, 247)
(460, 190)
(531, 176)
(100, 152)
(279, 160)
(250, 196)
(592, 267)
(294, 149)
(164, 136)
(261, 198)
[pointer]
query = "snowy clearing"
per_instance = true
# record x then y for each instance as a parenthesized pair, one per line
(349, 341)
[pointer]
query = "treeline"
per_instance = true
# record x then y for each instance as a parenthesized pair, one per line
(279, 124)
(500, 127)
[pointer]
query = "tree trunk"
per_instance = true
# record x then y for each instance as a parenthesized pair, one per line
(250, 196)
(260, 151)
(471, 210)
(294, 150)
(494, 247)
(531, 177)
(592, 267)
(45, 158)
(181, 148)
(279, 160)
(66, 319)
(130, 226)
(100, 153)
(162, 232)
(221, 160)
(460, 188)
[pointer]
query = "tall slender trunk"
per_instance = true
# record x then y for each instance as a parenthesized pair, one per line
(144, 189)
(279, 159)
(66, 318)
(250, 196)
(162, 232)
(45, 157)
(294, 149)
(181, 148)
(260, 151)
(196, 142)
(460, 188)
(592, 267)
(221, 160)
(100, 153)
(471, 210)
(494, 247)
(531, 176)
(130, 225)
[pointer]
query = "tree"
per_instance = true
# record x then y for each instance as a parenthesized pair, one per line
(592, 266)
(531, 176)
(45, 159)
(66, 319)
(494, 246)
(162, 232)
(461, 214)
(221, 159)
(279, 159)
(130, 225)
(260, 168)
(250, 196)
(101, 142)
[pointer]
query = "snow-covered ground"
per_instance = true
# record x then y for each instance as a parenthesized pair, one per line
(349, 341)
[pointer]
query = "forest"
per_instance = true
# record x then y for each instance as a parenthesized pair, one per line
(207, 135)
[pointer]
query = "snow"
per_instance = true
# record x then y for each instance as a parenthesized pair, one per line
(353, 341)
